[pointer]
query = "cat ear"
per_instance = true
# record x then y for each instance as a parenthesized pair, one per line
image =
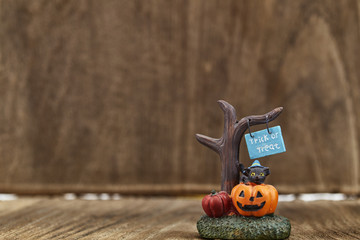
(246, 172)
(266, 171)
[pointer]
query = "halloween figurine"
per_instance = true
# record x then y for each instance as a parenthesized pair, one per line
(245, 206)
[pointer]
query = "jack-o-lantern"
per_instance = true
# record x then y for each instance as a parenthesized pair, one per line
(254, 199)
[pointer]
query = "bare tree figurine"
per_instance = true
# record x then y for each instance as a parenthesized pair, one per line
(229, 144)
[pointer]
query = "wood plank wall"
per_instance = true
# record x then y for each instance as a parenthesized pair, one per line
(106, 96)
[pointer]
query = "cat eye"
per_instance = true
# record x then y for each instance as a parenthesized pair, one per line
(253, 174)
(262, 174)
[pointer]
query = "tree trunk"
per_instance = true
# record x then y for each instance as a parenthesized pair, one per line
(228, 145)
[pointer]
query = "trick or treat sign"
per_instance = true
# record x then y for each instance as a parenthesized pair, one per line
(265, 142)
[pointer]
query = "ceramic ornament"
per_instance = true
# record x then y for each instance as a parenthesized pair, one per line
(245, 206)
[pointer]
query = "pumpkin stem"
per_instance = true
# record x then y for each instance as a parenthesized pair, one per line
(213, 192)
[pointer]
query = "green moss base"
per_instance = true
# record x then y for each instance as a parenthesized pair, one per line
(239, 227)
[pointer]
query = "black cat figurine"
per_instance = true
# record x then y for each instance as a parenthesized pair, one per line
(255, 173)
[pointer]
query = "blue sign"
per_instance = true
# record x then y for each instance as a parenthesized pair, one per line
(262, 143)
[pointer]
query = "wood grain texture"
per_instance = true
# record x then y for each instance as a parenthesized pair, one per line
(101, 95)
(157, 218)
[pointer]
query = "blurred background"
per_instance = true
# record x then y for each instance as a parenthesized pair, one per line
(107, 96)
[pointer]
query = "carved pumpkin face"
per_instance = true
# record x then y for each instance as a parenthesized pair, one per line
(254, 200)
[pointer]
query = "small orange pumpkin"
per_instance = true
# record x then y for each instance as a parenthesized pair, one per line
(254, 199)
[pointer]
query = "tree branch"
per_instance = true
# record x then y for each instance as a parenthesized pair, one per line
(241, 126)
(229, 121)
(229, 114)
(212, 143)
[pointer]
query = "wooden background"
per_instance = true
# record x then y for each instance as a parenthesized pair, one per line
(106, 96)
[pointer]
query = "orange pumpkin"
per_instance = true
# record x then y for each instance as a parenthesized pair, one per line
(254, 200)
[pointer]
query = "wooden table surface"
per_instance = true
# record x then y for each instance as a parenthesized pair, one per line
(157, 218)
